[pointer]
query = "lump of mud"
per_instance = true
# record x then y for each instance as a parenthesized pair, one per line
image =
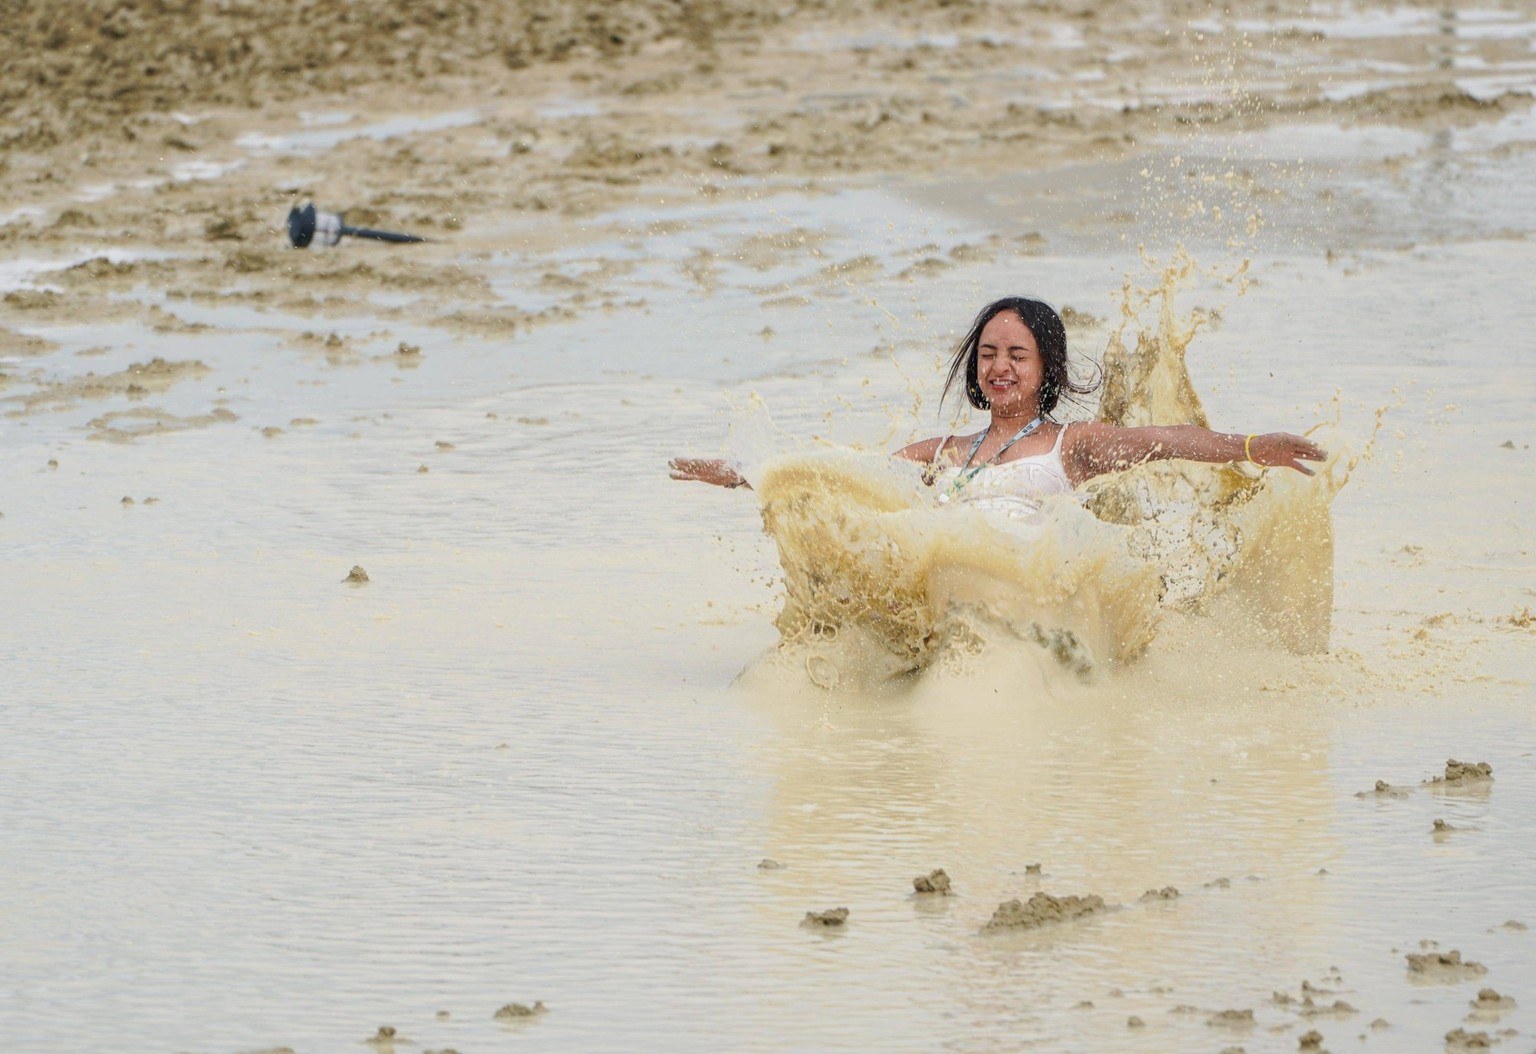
(357, 575)
(1444, 966)
(1231, 1019)
(519, 1011)
(385, 1037)
(1489, 1001)
(1338, 1008)
(935, 881)
(1166, 893)
(830, 917)
(1461, 1040)
(1463, 774)
(1310, 1041)
(1042, 909)
(768, 864)
(31, 299)
(1032, 869)
(1383, 789)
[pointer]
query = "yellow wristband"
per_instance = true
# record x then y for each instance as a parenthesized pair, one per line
(1247, 453)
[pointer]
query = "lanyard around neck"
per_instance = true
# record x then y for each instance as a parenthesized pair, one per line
(967, 473)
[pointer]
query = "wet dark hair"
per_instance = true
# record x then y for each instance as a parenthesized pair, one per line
(1050, 337)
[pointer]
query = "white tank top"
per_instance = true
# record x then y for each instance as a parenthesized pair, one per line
(1015, 488)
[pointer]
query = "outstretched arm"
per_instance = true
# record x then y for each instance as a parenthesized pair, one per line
(924, 450)
(1099, 448)
(714, 471)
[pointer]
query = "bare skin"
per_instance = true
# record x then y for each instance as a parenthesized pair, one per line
(1010, 370)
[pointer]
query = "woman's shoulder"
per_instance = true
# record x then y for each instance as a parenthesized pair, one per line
(923, 449)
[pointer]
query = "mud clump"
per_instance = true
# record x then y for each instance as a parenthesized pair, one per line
(1152, 896)
(75, 66)
(1463, 774)
(831, 918)
(1042, 909)
(1383, 789)
(1462, 1040)
(357, 576)
(1338, 1008)
(1443, 966)
(768, 864)
(1490, 1003)
(934, 882)
(1311, 1042)
(1232, 1019)
(519, 1011)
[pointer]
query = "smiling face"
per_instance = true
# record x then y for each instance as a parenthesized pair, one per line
(1009, 367)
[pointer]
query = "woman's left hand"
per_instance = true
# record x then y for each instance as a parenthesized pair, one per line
(1283, 450)
(706, 470)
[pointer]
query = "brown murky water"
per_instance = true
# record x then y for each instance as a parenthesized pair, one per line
(250, 805)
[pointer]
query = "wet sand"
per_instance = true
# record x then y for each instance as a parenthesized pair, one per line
(259, 801)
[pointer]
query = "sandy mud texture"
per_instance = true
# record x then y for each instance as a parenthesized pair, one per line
(1464, 774)
(935, 881)
(1042, 909)
(832, 917)
(1443, 966)
(519, 1011)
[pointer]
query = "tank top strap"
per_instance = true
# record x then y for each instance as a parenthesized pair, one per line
(1056, 447)
(931, 472)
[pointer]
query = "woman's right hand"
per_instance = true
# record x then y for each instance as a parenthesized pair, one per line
(714, 471)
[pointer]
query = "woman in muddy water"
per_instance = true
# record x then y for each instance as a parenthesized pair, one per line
(1013, 363)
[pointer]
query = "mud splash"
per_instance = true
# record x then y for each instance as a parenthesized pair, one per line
(880, 581)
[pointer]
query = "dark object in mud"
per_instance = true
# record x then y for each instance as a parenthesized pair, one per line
(357, 576)
(935, 881)
(830, 917)
(1464, 773)
(518, 1011)
(1444, 964)
(1042, 909)
(308, 224)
